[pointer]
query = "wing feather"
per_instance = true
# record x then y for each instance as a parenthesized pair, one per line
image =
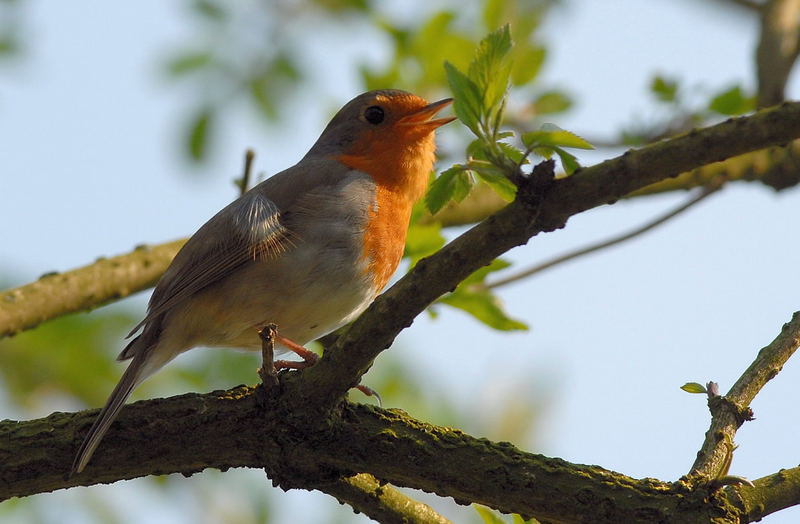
(248, 229)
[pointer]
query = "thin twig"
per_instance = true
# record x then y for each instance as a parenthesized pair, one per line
(244, 182)
(381, 502)
(707, 190)
(732, 410)
(267, 372)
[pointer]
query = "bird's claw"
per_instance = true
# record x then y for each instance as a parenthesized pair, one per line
(368, 391)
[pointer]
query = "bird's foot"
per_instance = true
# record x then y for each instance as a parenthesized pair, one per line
(368, 391)
(309, 359)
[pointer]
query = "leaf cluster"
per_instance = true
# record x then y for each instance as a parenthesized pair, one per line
(480, 99)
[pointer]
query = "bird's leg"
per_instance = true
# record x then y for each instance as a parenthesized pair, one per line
(309, 357)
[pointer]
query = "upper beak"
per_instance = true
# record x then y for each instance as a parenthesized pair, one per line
(422, 117)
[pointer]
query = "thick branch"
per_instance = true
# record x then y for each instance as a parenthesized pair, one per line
(775, 167)
(243, 428)
(730, 411)
(769, 495)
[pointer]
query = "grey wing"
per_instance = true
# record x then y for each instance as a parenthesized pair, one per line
(247, 229)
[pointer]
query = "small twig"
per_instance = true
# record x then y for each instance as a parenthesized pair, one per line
(267, 373)
(244, 182)
(730, 412)
(708, 189)
(381, 502)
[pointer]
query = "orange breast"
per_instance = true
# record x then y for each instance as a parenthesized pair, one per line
(400, 178)
(385, 236)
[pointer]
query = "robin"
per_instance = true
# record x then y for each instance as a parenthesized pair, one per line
(307, 249)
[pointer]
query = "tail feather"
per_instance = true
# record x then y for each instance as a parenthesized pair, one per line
(130, 350)
(132, 377)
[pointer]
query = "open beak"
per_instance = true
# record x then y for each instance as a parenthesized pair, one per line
(422, 117)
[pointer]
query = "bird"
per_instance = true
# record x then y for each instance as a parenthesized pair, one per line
(307, 249)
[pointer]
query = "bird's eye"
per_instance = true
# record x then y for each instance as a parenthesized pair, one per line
(374, 115)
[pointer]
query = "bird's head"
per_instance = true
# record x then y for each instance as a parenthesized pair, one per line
(388, 134)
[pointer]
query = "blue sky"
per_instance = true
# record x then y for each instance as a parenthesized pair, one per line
(89, 167)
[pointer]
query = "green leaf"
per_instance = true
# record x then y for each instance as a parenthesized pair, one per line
(477, 150)
(430, 34)
(568, 161)
(199, 134)
(490, 70)
(487, 515)
(71, 354)
(188, 63)
(466, 97)
(423, 240)
(429, 46)
(454, 183)
(664, 89)
(550, 135)
(551, 102)
(527, 64)
(484, 306)
(8, 45)
(373, 80)
(512, 152)
(497, 180)
(480, 275)
(694, 387)
(732, 102)
(262, 91)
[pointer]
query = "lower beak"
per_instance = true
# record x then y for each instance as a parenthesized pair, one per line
(422, 117)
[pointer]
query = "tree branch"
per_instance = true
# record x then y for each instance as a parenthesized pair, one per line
(730, 412)
(244, 183)
(775, 167)
(770, 494)
(245, 428)
(381, 502)
(86, 288)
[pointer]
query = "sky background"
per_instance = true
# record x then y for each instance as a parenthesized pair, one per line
(90, 165)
